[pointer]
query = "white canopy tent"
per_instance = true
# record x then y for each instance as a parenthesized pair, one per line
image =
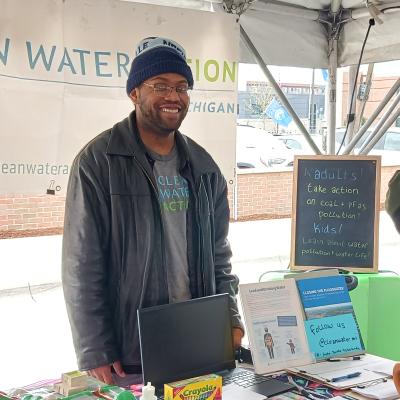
(315, 34)
(298, 32)
(306, 29)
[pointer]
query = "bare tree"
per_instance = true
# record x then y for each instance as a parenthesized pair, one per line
(261, 95)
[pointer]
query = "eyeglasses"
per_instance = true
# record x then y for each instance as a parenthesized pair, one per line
(160, 89)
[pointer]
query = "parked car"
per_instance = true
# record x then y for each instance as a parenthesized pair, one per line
(388, 146)
(256, 148)
(298, 143)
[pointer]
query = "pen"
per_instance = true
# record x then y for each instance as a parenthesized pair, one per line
(354, 358)
(344, 377)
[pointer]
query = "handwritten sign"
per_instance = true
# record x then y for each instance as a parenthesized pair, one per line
(330, 325)
(335, 212)
(333, 336)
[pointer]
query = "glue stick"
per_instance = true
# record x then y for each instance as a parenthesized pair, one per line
(148, 392)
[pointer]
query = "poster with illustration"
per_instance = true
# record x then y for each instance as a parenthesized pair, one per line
(275, 327)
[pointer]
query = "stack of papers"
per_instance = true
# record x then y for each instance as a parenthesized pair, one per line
(366, 368)
(382, 391)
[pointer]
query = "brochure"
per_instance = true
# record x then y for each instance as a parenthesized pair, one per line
(275, 325)
(331, 325)
(296, 324)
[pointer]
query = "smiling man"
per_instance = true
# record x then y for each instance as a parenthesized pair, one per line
(146, 219)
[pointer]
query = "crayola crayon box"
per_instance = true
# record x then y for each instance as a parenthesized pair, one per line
(205, 387)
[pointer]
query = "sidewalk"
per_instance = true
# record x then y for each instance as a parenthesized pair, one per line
(257, 246)
(260, 246)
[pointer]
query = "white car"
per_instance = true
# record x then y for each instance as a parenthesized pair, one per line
(298, 143)
(388, 145)
(256, 148)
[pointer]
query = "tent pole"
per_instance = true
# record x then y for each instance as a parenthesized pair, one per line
(351, 107)
(277, 89)
(383, 125)
(361, 103)
(372, 118)
(311, 104)
(332, 97)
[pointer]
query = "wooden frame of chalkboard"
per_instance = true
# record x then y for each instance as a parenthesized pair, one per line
(335, 213)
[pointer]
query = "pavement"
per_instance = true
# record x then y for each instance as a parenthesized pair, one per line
(262, 246)
(35, 336)
(258, 246)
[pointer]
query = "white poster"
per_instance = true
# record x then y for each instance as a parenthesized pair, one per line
(275, 325)
(63, 69)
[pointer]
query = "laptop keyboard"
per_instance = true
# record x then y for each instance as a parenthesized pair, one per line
(244, 378)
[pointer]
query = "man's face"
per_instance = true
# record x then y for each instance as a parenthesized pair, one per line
(158, 108)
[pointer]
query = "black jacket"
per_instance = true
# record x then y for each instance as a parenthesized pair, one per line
(113, 245)
(392, 202)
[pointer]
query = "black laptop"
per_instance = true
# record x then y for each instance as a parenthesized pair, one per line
(192, 338)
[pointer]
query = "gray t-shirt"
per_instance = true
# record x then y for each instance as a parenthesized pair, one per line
(173, 194)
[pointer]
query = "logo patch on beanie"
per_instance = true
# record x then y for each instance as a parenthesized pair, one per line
(156, 56)
(154, 42)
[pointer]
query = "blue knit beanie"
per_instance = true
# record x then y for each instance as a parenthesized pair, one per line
(155, 56)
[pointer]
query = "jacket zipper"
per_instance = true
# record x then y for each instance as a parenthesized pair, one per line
(144, 283)
(199, 223)
(197, 220)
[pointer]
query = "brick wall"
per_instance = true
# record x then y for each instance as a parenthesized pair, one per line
(380, 86)
(269, 195)
(263, 195)
(30, 215)
(258, 196)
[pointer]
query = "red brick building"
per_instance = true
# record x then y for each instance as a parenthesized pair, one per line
(258, 196)
(380, 86)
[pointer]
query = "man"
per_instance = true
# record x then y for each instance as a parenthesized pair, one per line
(269, 343)
(146, 219)
(392, 202)
(392, 205)
(292, 346)
(396, 376)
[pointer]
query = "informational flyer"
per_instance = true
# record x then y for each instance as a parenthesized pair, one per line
(275, 326)
(331, 324)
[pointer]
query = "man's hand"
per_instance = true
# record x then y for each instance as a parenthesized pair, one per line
(396, 376)
(237, 334)
(104, 374)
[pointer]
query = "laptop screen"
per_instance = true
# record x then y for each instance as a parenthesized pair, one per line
(187, 339)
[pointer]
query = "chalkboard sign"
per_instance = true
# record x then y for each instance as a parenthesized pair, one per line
(335, 212)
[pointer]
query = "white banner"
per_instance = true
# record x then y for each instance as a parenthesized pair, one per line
(63, 69)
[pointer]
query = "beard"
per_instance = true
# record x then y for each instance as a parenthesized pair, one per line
(160, 121)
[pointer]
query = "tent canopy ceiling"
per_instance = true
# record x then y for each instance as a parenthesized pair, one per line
(304, 29)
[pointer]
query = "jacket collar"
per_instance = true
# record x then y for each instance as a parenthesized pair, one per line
(125, 141)
(124, 138)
